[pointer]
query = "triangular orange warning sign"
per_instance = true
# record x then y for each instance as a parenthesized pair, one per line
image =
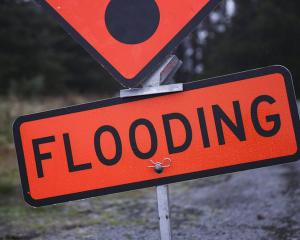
(129, 37)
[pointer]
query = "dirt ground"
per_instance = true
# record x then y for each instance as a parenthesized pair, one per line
(259, 204)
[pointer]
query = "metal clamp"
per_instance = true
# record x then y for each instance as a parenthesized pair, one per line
(160, 166)
(153, 85)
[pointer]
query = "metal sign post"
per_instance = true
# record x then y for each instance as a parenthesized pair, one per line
(153, 86)
(164, 212)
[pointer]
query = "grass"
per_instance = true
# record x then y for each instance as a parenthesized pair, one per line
(17, 219)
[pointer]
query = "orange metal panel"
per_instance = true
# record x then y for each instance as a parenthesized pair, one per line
(252, 143)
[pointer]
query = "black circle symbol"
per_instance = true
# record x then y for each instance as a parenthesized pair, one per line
(132, 21)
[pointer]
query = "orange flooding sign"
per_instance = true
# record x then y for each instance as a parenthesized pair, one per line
(130, 38)
(220, 125)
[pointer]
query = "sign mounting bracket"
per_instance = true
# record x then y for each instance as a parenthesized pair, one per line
(153, 85)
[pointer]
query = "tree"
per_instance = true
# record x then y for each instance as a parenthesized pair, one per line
(260, 33)
(38, 57)
(191, 50)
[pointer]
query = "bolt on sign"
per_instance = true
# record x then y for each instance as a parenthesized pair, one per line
(130, 38)
(220, 125)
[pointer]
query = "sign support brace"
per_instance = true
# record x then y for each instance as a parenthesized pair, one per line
(152, 86)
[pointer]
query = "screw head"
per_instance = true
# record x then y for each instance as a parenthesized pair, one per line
(158, 168)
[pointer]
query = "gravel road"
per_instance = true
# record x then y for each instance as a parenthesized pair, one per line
(257, 204)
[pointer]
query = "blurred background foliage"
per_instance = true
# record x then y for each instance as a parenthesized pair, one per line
(38, 58)
(42, 68)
